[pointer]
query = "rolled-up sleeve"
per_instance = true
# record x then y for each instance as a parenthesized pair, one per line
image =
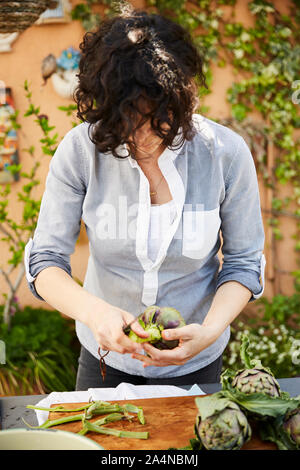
(59, 220)
(242, 226)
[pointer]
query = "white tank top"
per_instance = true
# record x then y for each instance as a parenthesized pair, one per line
(161, 217)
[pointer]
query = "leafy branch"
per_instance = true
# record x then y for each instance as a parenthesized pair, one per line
(17, 234)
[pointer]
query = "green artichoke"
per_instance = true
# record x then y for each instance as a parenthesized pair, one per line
(254, 378)
(256, 381)
(284, 430)
(220, 424)
(154, 320)
(291, 426)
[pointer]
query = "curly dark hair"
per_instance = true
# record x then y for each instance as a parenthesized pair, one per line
(131, 59)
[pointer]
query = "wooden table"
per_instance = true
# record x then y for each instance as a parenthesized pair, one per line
(169, 422)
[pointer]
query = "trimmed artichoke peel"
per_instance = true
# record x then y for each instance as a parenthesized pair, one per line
(154, 320)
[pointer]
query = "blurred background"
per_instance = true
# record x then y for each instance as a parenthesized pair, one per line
(252, 64)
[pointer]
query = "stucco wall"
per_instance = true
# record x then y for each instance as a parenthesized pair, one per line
(24, 62)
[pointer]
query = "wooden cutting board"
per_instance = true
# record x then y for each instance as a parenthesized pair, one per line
(169, 421)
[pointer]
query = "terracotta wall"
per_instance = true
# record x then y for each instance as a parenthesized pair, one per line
(24, 62)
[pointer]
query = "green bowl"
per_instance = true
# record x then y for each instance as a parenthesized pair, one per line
(45, 439)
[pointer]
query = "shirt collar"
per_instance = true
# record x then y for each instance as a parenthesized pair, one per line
(167, 154)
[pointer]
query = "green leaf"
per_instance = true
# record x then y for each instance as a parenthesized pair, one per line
(272, 430)
(261, 404)
(239, 111)
(212, 404)
(14, 169)
(244, 354)
(30, 150)
(31, 110)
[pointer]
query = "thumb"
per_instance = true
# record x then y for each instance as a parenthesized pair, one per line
(172, 334)
(183, 333)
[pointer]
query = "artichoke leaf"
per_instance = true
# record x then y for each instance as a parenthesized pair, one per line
(212, 404)
(154, 320)
(262, 404)
(226, 378)
(153, 331)
(273, 431)
(248, 362)
(245, 357)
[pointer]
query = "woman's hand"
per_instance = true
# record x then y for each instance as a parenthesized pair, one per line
(192, 338)
(229, 300)
(107, 322)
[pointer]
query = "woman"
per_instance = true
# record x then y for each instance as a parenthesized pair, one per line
(155, 184)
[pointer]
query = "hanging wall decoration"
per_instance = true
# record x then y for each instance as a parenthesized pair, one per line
(8, 137)
(60, 14)
(62, 71)
(6, 40)
(18, 16)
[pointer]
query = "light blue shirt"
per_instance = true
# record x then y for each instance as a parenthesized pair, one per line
(213, 183)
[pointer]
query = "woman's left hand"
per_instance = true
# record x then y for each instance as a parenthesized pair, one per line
(193, 338)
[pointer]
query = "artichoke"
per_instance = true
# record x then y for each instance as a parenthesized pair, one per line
(254, 378)
(256, 381)
(220, 424)
(291, 426)
(284, 431)
(154, 320)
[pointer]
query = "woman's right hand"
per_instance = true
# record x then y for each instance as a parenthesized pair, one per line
(107, 322)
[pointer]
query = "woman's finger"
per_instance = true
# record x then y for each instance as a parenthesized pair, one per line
(148, 361)
(134, 325)
(120, 343)
(126, 345)
(156, 357)
(138, 329)
(184, 333)
(145, 359)
(167, 355)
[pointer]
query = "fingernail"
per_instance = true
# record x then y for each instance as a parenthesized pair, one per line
(166, 334)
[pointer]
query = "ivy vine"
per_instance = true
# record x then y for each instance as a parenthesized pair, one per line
(266, 61)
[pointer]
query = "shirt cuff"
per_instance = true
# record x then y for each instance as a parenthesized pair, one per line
(249, 278)
(35, 263)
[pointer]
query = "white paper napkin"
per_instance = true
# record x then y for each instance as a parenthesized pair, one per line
(59, 397)
(124, 391)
